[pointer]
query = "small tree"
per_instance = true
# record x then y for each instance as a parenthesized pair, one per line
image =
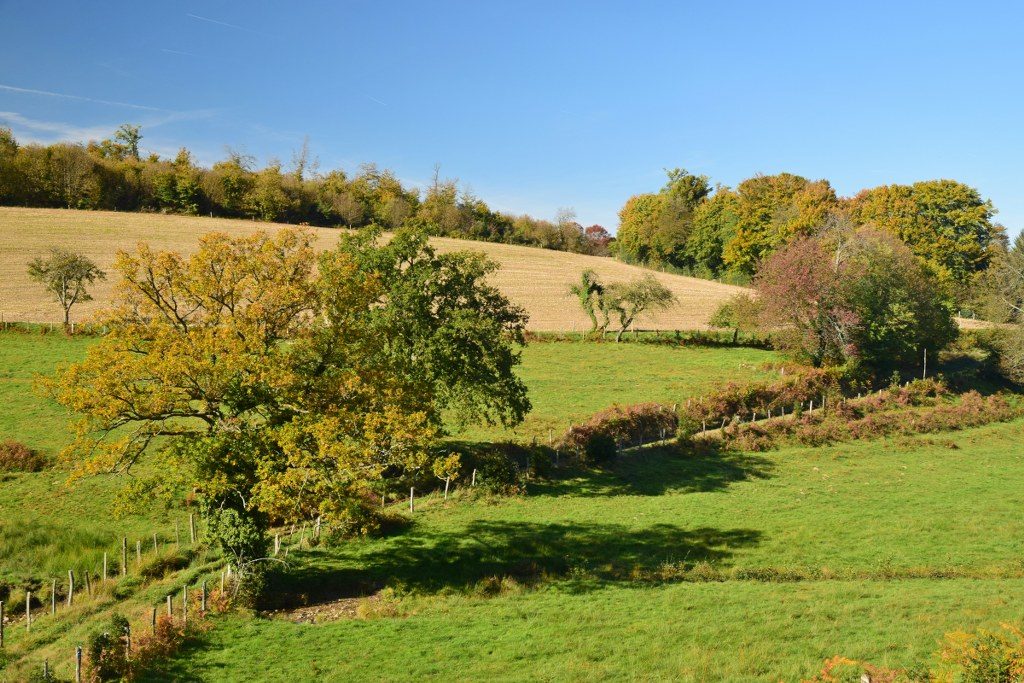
(65, 276)
(628, 300)
(590, 293)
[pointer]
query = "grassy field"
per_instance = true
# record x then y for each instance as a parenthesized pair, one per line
(917, 537)
(537, 279)
(47, 526)
(667, 565)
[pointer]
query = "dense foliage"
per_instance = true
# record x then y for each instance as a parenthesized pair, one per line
(1001, 299)
(600, 437)
(289, 387)
(112, 174)
(729, 232)
(854, 296)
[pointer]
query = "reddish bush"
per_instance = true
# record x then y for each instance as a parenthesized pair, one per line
(744, 401)
(17, 457)
(898, 414)
(598, 438)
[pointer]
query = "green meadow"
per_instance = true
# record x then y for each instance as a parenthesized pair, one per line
(667, 565)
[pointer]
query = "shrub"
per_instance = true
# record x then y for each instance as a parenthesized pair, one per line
(17, 457)
(744, 400)
(597, 440)
(905, 411)
(107, 652)
(501, 467)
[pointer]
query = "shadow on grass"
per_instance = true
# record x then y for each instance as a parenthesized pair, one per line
(657, 470)
(431, 562)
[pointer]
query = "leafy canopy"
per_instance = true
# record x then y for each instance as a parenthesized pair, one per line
(276, 390)
(855, 296)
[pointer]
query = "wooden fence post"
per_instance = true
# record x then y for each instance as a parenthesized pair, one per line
(124, 556)
(412, 494)
(88, 585)
(1, 623)
(474, 477)
(447, 481)
(155, 546)
(53, 597)
(71, 586)
(170, 613)
(184, 605)
(154, 620)
(104, 567)
(138, 552)
(192, 527)
(78, 664)
(28, 610)
(202, 598)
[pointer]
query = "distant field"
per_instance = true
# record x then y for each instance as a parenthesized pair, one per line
(536, 279)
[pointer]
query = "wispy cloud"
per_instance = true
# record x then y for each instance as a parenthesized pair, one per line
(38, 130)
(52, 130)
(371, 97)
(176, 52)
(224, 23)
(79, 98)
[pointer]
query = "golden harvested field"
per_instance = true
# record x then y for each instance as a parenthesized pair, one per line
(537, 279)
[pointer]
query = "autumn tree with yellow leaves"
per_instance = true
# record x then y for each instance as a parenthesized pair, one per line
(279, 385)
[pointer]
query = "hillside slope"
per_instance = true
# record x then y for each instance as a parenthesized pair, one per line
(537, 279)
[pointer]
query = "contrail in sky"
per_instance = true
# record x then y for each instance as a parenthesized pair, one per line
(223, 23)
(80, 98)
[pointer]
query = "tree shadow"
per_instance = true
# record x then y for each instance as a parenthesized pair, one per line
(676, 468)
(661, 469)
(434, 561)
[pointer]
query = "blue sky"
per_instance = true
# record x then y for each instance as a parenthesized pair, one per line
(541, 105)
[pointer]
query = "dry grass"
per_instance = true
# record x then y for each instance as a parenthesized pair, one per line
(537, 279)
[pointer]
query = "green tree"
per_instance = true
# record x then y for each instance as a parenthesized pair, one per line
(638, 221)
(655, 228)
(177, 189)
(773, 210)
(1000, 296)
(944, 222)
(628, 300)
(9, 175)
(715, 222)
(590, 293)
(66, 276)
(286, 387)
(267, 199)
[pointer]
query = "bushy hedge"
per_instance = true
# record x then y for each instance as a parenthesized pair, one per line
(598, 439)
(744, 401)
(911, 410)
(504, 467)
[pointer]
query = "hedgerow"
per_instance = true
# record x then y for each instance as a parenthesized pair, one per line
(923, 407)
(599, 438)
(737, 402)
